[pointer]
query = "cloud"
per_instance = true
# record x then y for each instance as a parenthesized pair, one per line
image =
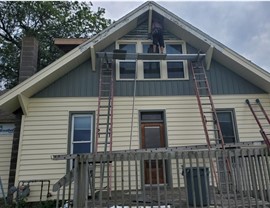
(241, 26)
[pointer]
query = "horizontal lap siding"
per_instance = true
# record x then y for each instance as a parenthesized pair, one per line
(45, 133)
(46, 127)
(5, 156)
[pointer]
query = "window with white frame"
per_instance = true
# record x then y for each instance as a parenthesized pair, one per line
(175, 69)
(151, 69)
(127, 68)
(82, 133)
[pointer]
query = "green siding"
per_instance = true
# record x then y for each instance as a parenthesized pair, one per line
(83, 82)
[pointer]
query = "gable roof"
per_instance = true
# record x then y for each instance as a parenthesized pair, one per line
(18, 96)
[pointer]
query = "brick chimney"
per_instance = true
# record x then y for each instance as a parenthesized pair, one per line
(29, 57)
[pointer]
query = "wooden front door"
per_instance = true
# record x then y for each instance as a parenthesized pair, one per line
(153, 137)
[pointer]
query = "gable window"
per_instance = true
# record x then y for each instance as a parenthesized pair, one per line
(228, 125)
(175, 69)
(81, 133)
(127, 68)
(151, 69)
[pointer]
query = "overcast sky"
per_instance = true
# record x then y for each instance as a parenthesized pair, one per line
(243, 26)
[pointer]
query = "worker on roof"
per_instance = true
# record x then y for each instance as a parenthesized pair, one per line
(157, 35)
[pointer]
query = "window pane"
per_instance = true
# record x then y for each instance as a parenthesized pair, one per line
(82, 122)
(81, 148)
(82, 135)
(150, 116)
(174, 49)
(151, 70)
(127, 70)
(227, 126)
(147, 48)
(152, 137)
(175, 69)
(130, 48)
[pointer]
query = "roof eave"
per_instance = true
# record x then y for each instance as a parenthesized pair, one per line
(10, 102)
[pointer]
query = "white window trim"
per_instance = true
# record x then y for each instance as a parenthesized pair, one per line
(139, 63)
(72, 131)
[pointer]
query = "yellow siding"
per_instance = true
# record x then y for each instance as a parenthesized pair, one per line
(46, 127)
(5, 156)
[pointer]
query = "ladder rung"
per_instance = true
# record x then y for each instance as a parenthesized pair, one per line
(201, 80)
(205, 95)
(104, 143)
(102, 124)
(104, 106)
(206, 103)
(104, 114)
(102, 133)
(208, 111)
(211, 121)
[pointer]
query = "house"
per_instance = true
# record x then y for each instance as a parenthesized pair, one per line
(61, 101)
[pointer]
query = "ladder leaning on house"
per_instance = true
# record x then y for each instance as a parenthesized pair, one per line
(206, 106)
(261, 118)
(105, 113)
(210, 120)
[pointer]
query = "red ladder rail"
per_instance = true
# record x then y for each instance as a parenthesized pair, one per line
(261, 118)
(206, 106)
(208, 112)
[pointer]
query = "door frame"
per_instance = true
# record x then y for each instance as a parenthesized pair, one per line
(168, 162)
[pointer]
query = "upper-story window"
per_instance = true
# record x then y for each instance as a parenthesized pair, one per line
(175, 69)
(127, 68)
(151, 69)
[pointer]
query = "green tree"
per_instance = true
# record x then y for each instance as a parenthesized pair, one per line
(44, 20)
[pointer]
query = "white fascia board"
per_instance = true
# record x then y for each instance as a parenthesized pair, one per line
(212, 43)
(23, 103)
(124, 21)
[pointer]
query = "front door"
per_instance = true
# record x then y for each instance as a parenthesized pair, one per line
(153, 137)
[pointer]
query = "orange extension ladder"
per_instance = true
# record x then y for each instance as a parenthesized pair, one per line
(262, 119)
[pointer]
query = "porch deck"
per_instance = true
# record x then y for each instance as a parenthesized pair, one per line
(171, 177)
(153, 198)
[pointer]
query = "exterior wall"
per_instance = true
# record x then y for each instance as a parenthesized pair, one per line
(5, 157)
(45, 129)
(83, 82)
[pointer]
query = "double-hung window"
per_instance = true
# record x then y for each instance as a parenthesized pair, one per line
(82, 133)
(127, 68)
(228, 125)
(175, 68)
(151, 68)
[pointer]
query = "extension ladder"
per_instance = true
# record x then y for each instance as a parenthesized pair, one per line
(104, 124)
(207, 109)
(262, 119)
(210, 120)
